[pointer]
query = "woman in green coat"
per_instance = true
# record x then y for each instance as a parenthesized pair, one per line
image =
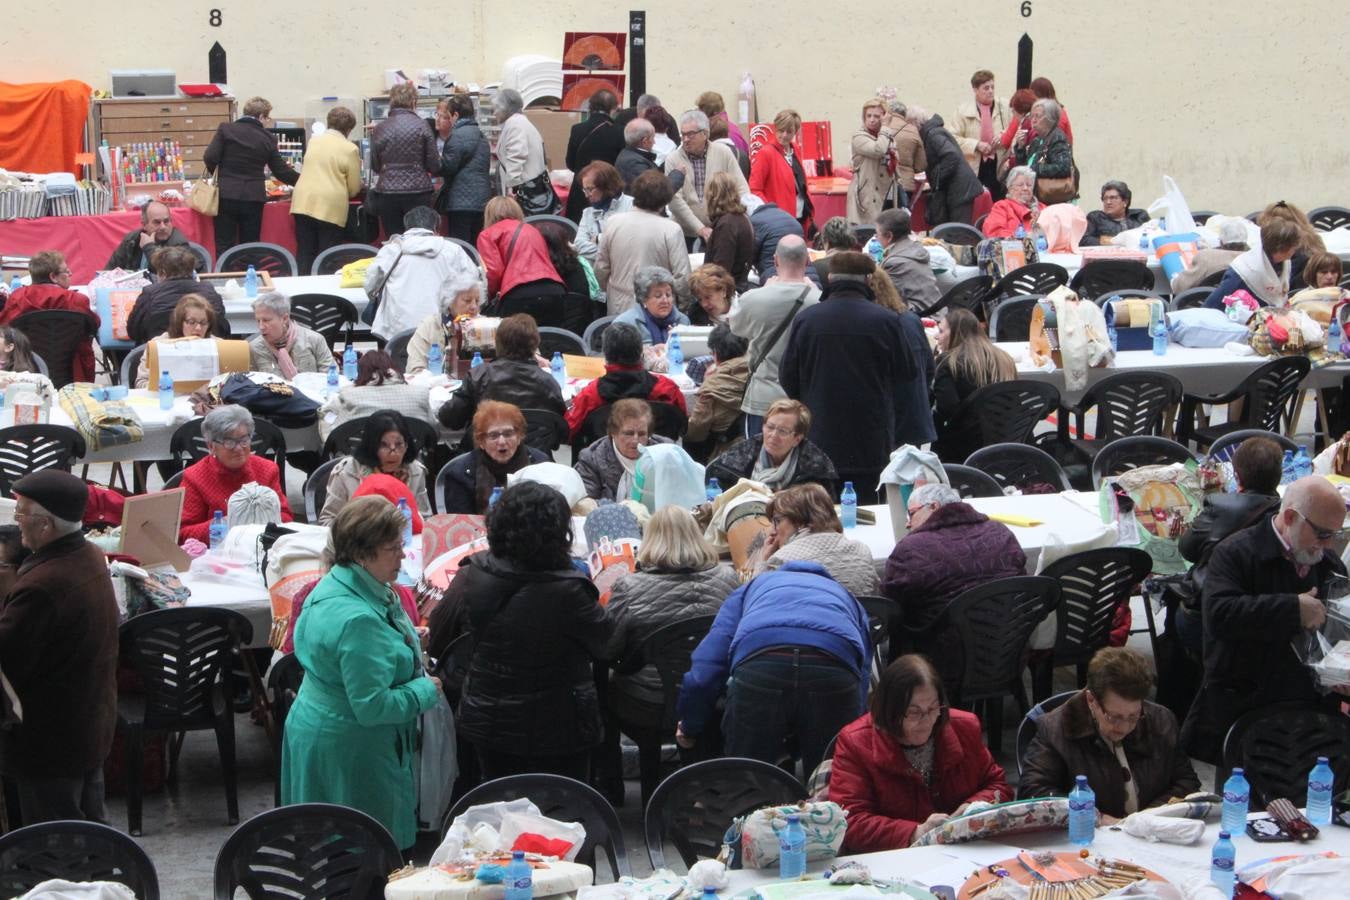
(351, 734)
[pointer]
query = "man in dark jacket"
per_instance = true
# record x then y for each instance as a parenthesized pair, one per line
(465, 162)
(58, 648)
(637, 155)
(855, 366)
(949, 176)
(1262, 590)
(237, 155)
(596, 139)
(771, 225)
(137, 249)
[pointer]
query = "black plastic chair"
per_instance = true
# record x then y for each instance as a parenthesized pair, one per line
(345, 439)
(1254, 217)
(1269, 394)
(319, 851)
(544, 430)
(957, 233)
(1223, 449)
(1011, 318)
(275, 260)
(560, 340)
(334, 258)
(1091, 585)
(31, 448)
(469, 249)
(327, 314)
(1278, 746)
(1017, 465)
(883, 616)
(205, 262)
(1127, 403)
(556, 220)
(56, 335)
(970, 482)
(187, 444)
(668, 649)
(566, 800)
(397, 348)
(316, 490)
(1127, 453)
(283, 684)
(1329, 218)
(862, 234)
(967, 294)
(126, 374)
(1006, 412)
(1037, 278)
(1107, 276)
(693, 807)
(172, 481)
(74, 851)
(182, 657)
(594, 335)
(1026, 731)
(1192, 298)
(994, 621)
(1201, 216)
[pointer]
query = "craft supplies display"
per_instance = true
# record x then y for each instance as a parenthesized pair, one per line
(151, 161)
(1047, 875)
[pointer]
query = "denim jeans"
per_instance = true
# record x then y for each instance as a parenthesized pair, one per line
(788, 692)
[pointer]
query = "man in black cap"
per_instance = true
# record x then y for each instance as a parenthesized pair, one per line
(58, 648)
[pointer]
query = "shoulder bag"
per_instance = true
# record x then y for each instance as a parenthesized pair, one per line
(778, 330)
(368, 314)
(536, 196)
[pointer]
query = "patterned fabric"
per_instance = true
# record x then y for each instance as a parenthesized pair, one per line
(1001, 820)
(700, 166)
(108, 423)
(613, 521)
(756, 835)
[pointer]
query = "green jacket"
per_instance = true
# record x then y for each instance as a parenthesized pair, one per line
(351, 734)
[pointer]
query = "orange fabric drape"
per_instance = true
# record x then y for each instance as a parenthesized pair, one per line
(42, 125)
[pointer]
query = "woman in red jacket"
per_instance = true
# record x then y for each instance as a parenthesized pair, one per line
(209, 482)
(521, 274)
(910, 763)
(776, 173)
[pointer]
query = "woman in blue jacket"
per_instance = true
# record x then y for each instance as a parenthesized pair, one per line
(796, 647)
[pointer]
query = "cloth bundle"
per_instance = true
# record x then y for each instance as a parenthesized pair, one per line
(102, 423)
(254, 504)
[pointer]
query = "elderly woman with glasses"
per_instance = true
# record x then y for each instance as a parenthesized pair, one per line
(911, 762)
(1109, 731)
(281, 347)
(499, 450)
(780, 456)
(388, 447)
(208, 483)
(608, 465)
(50, 289)
(805, 526)
(656, 315)
(192, 317)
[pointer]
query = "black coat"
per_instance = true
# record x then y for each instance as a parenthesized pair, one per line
(237, 155)
(597, 139)
(633, 161)
(947, 167)
(150, 314)
(956, 439)
(513, 381)
(461, 479)
(1250, 608)
(770, 225)
(738, 462)
(1100, 225)
(853, 364)
(1222, 515)
(465, 161)
(530, 689)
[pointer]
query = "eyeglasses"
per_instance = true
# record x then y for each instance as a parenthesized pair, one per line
(918, 714)
(692, 134)
(394, 448)
(392, 549)
(589, 189)
(196, 323)
(1323, 534)
(633, 435)
(779, 430)
(238, 443)
(1115, 720)
(913, 509)
(504, 435)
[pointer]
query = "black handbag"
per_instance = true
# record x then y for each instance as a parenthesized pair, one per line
(537, 197)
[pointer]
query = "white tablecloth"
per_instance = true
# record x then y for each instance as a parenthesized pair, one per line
(254, 605)
(239, 310)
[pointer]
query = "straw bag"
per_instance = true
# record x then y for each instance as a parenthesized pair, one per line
(205, 196)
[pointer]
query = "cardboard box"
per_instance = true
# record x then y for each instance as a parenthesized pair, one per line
(555, 127)
(229, 356)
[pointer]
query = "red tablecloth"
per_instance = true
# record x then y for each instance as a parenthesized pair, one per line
(88, 241)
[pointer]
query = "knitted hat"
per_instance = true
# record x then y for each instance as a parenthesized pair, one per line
(391, 489)
(60, 493)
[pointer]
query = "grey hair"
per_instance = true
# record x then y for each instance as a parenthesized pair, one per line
(456, 284)
(637, 131)
(1050, 108)
(274, 302)
(1017, 172)
(60, 527)
(646, 102)
(648, 277)
(508, 101)
(790, 253)
(916, 114)
(698, 117)
(219, 422)
(422, 217)
(941, 494)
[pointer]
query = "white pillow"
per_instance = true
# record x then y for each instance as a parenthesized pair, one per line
(1202, 327)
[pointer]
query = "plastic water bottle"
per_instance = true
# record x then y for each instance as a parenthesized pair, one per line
(476, 361)
(1287, 468)
(1042, 244)
(1109, 314)
(436, 360)
(251, 282)
(494, 496)
(407, 521)
(792, 849)
(874, 248)
(1020, 233)
(1302, 463)
(714, 489)
(1237, 795)
(332, 384)
(217, 529)
(165, 391)
(675, 355)
(1319, 793)
(709, 893)
(15, 282)
(519, 878)
(1223, 864)
(1143, 242)
(1334, 335)
(1160, 337)
(349, 363)
(848, 506)
(1082, 813)
(558, 368)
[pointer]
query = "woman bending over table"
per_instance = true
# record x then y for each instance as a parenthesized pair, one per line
(282, 347)
(911, 762)
(209, 482)
(379, 387)
(387, 446)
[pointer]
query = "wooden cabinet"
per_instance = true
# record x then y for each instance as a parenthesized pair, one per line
(190, 121)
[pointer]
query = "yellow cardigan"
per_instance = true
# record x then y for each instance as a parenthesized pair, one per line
(331, 176)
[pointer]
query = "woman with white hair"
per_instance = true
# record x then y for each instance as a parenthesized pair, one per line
(1048, 153)
(460, 297)
(1018, 209)
(409, 270)
(282, 347)
(655, 315)
(522, 169)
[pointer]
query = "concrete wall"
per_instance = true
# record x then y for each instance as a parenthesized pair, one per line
(1239, 102)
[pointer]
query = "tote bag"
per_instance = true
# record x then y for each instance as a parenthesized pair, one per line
(205, 196)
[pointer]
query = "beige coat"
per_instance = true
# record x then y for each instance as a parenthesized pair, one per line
(520, 153)
(687, 207)
(331, 176)
(431, 332)
(635, 239)
(871, 181)
(966, 127)
(310, 353)
(347, 476)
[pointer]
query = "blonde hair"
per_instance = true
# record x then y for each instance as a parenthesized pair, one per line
(886, 292)
(874, 103)
(499, 208)
(971, 356)
(722, 196)
(790, 407)
(673, 542)
(788, 120)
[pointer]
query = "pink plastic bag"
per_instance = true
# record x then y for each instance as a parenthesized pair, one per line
(1064, 225)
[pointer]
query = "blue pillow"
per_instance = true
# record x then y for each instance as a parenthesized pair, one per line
(1204, 328)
